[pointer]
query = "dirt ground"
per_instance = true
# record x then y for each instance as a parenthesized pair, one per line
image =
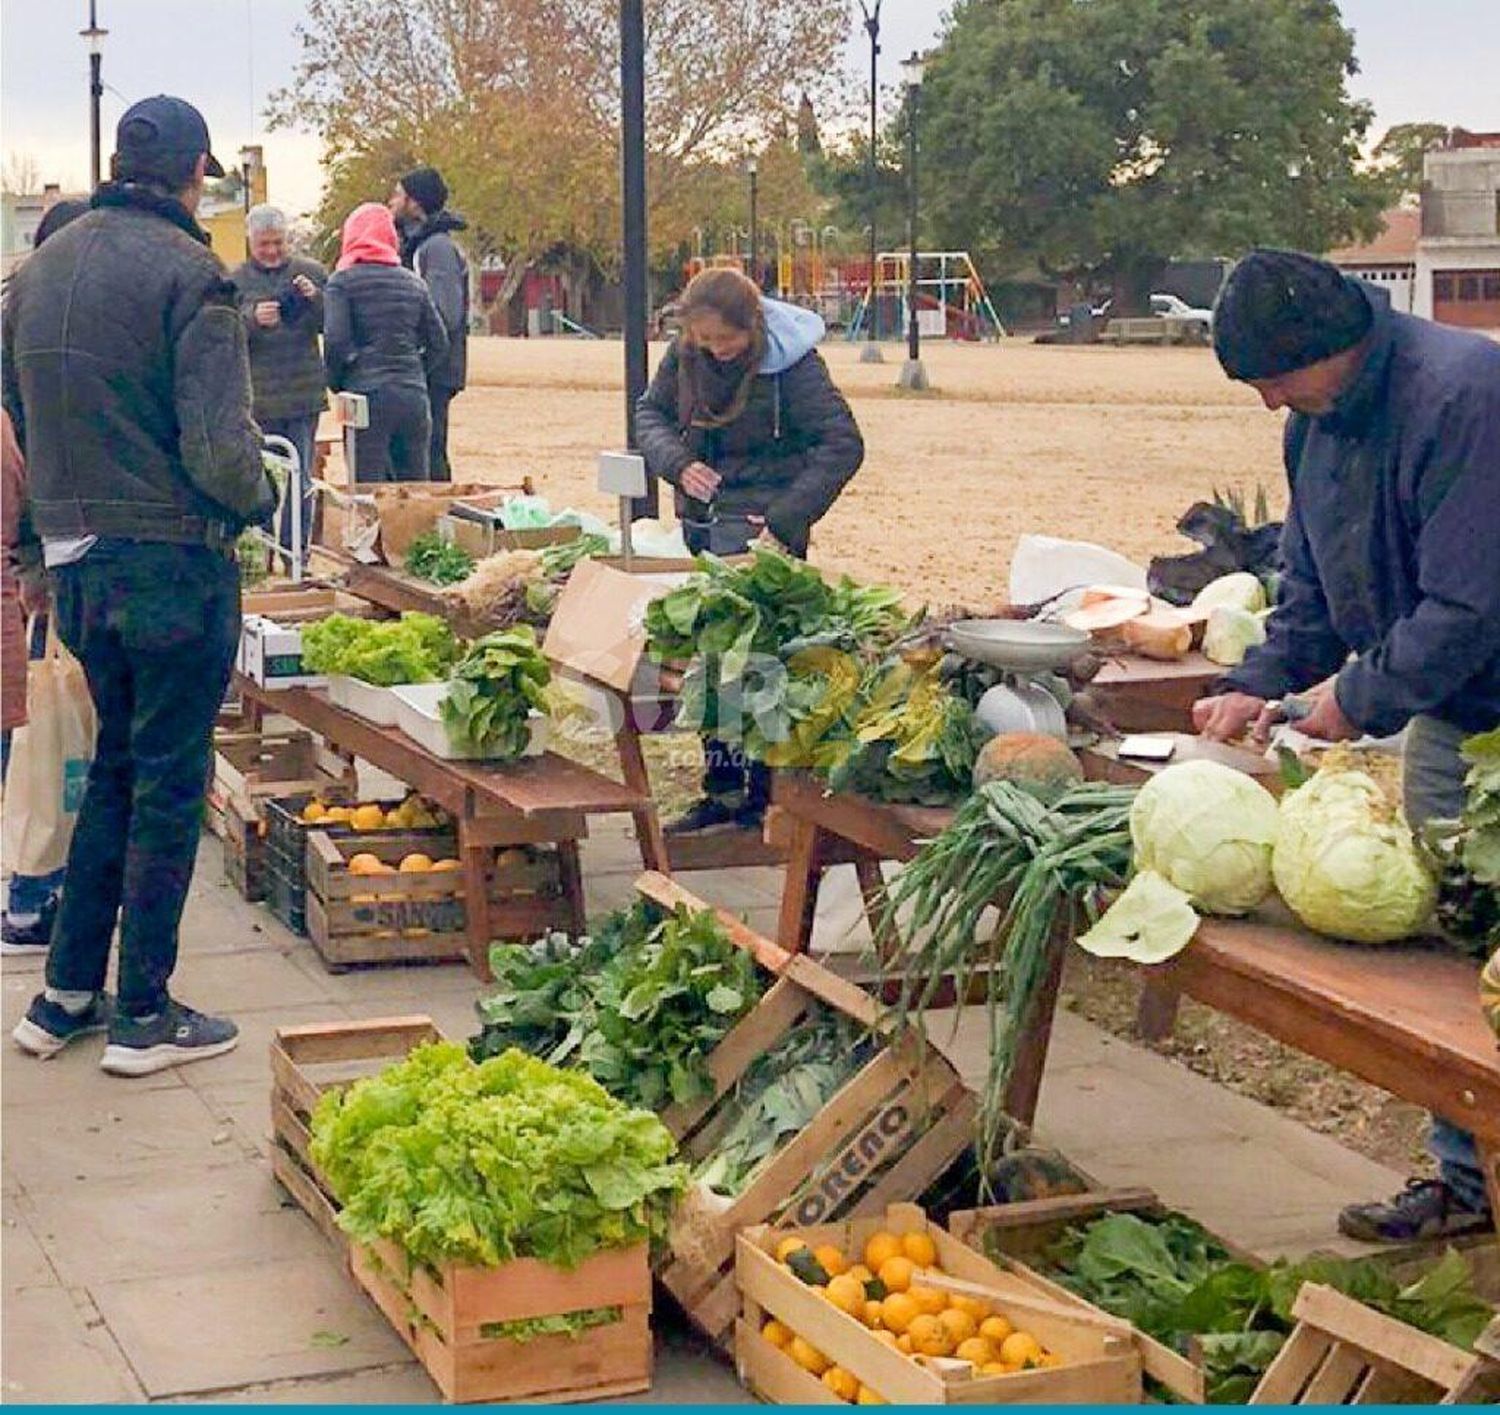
(1101, 444)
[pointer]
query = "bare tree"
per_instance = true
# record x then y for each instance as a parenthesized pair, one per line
(21, 174)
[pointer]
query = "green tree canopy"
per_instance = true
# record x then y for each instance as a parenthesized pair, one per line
(1099, 138)
(1401, 151)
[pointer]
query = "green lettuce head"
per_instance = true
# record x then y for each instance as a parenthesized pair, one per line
(1345, 861)
(1207, 829)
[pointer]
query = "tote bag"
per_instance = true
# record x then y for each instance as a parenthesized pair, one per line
(49, 764)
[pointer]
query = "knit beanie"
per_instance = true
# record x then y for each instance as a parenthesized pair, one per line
(1280, 311)
(426, 187)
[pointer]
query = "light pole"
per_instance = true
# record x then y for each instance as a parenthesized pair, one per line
(913, 375)
(93, 36)
(871, 354)
(753, 168)
(633, 188)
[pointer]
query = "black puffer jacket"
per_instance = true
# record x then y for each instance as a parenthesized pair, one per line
(126, 375)
(789, 453)
(432, 252)
(380, 330)
(286, 369)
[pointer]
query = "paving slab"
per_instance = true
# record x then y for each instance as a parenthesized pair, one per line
(53, 1355)
(23, 1262)
(73, 1074)
(221, 1329)
(245, 1107)
(401, 988)
(404, 1384)
(257, 976)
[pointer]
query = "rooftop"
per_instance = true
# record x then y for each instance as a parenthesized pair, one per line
(1395, 245)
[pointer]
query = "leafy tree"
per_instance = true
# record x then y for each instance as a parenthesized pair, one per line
(1401, 151)
(1098, 138)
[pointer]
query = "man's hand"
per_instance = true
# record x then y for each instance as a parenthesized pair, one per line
(699, 481)
(1224, 718)
(304, 287)
(15, 461)
(765, 535)
(267, 314)
(34, 592)
(1326, 721)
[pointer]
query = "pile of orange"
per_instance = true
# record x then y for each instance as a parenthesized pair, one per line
(884, 1292)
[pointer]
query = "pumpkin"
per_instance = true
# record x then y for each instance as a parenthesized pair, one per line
(1028, 759)
(1489, 992)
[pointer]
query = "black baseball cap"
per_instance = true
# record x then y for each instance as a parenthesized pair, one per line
(158, 128)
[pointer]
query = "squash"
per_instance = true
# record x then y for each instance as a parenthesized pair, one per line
(1039, 764)
(1489, 992)
(1163, 633)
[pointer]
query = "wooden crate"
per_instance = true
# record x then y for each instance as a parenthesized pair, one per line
(251, 767)
(420, 917)
(1343, 1353)
(1099, 1366)
(442, 1314)
(897, 1125)
(244, 842)
(1015, 1237)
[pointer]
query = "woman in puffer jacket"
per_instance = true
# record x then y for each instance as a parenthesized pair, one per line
(381, 336)
(743, 420)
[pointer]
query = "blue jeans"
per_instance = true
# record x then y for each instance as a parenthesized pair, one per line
(301, 432)
(1433, 786)
(155, 628)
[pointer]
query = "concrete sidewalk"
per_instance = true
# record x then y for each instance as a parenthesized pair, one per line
(149, 1256)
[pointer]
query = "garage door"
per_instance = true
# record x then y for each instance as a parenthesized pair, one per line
(1467, 297)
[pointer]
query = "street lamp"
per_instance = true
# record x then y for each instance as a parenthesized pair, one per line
(93, 36)
(753, 168)
(871, 354)
(913, 375)
(633, 224)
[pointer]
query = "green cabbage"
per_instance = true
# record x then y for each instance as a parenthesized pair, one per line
(1230, 634)
(1345, 861)
(1241, 590)
(1150, 923)
(1207, 829)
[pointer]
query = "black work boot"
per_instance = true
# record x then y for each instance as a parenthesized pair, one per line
(1426, 1208)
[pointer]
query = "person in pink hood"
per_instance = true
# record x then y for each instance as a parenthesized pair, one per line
(381, 336)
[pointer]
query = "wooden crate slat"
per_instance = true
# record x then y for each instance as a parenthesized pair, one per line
(1288, 1374)
(367, 1040)
(1342, 1371)
(773, 1375)
(1392, 1341)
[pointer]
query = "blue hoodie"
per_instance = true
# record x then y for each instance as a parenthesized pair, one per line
(1392, 540)
(791, 333)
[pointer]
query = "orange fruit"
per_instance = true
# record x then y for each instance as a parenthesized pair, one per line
(920, 1248)
(976, 1351)
(929, 1337)
(863, 1273)
(337, 815)
(777, 1334)
(847, 1294)
(442, 866)
(888, 1337)
(898, 1311)
(367, 818)
(366, 864)
(867, 1396)
(872, 1315)
(806, 1355)
(903, 1344)
(787, 1247)
(416, 864)
(841, 1383)
(879, 1248)
(1019, 1348)
(834, 1262)
(995, 1368)
(929, 1299)
(314, 811)
(895, 1273)
(976, 1308)
(961, 1326)
(995, 1330)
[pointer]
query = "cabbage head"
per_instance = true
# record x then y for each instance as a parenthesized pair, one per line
(1208, 829)
(1346, 864)
(1241, 590)
(1230, 634)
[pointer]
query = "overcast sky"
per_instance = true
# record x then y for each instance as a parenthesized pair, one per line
(1436, 60)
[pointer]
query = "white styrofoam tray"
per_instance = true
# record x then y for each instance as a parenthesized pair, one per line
(418, 715)
(367, 700)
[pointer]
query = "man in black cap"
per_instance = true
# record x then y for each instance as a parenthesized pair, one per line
(419, 202)
(1389, 612)
(126, 374)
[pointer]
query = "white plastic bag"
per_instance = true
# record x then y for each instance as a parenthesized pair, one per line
(1043, 567)
(49, 764)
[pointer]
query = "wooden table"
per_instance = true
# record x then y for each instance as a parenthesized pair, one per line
(538, 800)
(1403, 1017)
(1145, 695)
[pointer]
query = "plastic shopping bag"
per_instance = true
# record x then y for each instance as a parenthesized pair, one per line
(49, 764)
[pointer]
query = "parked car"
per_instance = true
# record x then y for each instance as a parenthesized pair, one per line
(1170, 307)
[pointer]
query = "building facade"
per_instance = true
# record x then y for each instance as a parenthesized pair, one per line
(1390, 260)
(1457, 275)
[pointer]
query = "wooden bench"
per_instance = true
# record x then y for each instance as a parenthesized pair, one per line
(1404, 1017)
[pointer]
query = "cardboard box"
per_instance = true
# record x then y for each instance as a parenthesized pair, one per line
(482, 535)
(598, 629)
(376, 524)
(271, 655)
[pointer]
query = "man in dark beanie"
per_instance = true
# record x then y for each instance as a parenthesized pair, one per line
(1389, 613)
(419, 202)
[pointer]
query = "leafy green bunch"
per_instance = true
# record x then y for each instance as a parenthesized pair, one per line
(438, 561)
(416, 648)
(559, 561)
(1465, 853)
(483, 1162)
(493, 691)
(639, 1006)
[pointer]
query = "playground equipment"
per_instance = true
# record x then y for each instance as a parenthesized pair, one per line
(952, 301)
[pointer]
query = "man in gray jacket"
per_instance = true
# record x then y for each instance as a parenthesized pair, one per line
(419, 203)
(126, 375)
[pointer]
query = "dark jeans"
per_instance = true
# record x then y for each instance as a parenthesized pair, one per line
(395, 446)
(301, 432)
(439, 468)
(155, 628)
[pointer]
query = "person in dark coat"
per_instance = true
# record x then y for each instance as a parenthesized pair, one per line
(744, 422)
(382, 337)
(1389, 611)
(281, 299)
(419, 204)
(127, 378)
